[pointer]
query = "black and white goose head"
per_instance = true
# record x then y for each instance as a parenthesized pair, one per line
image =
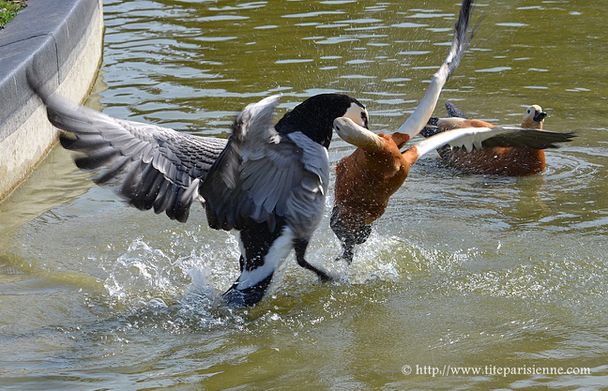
(315, 116)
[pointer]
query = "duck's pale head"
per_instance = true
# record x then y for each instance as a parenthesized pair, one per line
(534, 117)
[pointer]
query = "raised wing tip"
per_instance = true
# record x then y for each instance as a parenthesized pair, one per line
(262, 109)
(270, 102)
(254, 115)
(461, 40)
(272, 99)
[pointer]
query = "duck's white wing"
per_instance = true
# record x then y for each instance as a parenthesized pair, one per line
(153, 167)
(500, 136)
(421, 115)
(264, 177)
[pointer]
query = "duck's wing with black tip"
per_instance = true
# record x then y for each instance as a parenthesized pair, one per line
(531, 138)
(265, 177)
(153, 167)
(500, 136)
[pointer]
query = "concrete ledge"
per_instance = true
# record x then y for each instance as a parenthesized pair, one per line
(62, 41)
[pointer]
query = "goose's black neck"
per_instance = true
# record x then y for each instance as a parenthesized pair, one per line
(315, 116)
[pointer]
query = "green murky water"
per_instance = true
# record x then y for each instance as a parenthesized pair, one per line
(462, 271)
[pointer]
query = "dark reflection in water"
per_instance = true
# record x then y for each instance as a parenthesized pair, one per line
(462, 270)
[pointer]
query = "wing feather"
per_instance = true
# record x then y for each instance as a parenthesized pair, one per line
(537, 139)
(500, 136)
(460, 42)
(154, 167)
(266, 177)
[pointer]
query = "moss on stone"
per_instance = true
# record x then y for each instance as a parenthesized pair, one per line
(8, 10)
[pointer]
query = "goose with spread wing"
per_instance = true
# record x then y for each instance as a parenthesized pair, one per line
(270, 184)
(267, 182)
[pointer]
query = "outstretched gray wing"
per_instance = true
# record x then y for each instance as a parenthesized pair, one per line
(266, 177)
(155, 167)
